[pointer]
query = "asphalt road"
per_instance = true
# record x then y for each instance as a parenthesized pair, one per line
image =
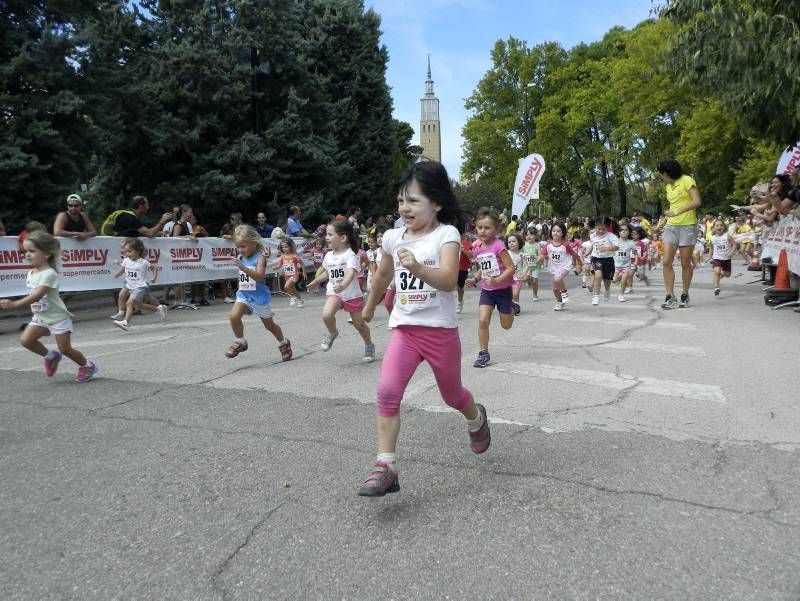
(636, 454)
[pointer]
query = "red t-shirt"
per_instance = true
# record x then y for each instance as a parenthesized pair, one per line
(463, 261)
(290, 266)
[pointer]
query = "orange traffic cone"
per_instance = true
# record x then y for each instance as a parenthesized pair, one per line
(782, 274)
(755, 260)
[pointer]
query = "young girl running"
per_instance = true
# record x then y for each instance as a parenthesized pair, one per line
(495, 271)
(341, 268)
(135, 268)
(723, 248)
(253, 296)
(531, 252)
(640, 255)
(514, 242)
(465, 260)
(292, 267)
(623, 268)
(560, 257)
(50, 315)
(422, 258)
(317, 255)
(604, 245)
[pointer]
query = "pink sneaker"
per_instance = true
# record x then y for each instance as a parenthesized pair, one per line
(51, 365)
(86, 372)
(479, 441)
(383, 479)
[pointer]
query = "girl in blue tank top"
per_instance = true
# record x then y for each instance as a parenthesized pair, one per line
(253, 296)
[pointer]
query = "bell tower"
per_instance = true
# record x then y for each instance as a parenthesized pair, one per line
(430, 135)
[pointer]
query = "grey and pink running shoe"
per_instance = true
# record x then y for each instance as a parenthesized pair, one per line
(383, 479)
(480, 440)
(51, 365)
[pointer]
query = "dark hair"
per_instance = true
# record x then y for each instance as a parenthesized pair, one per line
(435, 184)
(345, 228)
(484, 212)
(786, 184)
(135, 244)
(520, 239)
(138, 201)
(671, 167)
(563, 227)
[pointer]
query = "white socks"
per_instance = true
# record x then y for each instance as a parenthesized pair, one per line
(473, 425)
(389, 459)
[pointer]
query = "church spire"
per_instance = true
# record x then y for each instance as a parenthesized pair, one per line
(429, 81)
(430, 130)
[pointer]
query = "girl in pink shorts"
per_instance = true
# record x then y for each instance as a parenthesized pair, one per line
(341, 266)
(422, 258)
(560, 258)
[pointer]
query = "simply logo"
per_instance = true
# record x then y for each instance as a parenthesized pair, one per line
(13, 259)
(84, 257)
(186, 255)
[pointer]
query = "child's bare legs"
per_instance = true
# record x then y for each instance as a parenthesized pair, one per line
(30, 339)
(515, 293)
(597, 278)
(460, 294)
(291, 289)
(484, 319)
(361, 326)
(558, 286)
(129, 307)
(238, 311)
(332, 305)
(65, 346)
(272, 327)
(717, 274)
(535, 286)
(122, 298)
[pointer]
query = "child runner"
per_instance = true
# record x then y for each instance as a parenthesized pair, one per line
(291, 266)
(654, 251)
(604, 244)
(422, 258)
(465, 260)
(373, 258)
(495, 271)
(699, 249)
(253, 296)
(341, 268)
(50, 315)
(317, 255)
(560, 257)
(723, 248)
(640, 255)
(515, 244)
(623, 269)
(135, 268)
(531, 252)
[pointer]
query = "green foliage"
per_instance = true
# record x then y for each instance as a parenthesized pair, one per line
(746, 54)
(757, 165)
(477, 193)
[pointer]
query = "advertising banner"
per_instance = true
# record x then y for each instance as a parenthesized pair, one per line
(526, 186)
(784, 235)
(89, 265)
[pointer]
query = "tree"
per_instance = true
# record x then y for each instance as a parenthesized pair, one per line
(477, 193)
(746, 55)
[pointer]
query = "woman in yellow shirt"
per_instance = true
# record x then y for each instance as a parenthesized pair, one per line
(680, 233)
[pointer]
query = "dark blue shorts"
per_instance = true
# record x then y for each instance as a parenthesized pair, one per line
(500, 298)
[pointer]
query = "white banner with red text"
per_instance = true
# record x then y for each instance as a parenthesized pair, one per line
(526, 185)
(89, 265)
(783, 236)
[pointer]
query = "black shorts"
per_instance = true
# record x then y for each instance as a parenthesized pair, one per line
(462, 277)
(606, 265)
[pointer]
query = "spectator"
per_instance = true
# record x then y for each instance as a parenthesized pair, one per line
(263, 228)
(166, 231)
(512, 225)
(353, 215)
(131, 226)
(74, 222)
(181, 228)
(293, 226)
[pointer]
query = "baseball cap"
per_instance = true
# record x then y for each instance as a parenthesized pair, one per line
(74, 197)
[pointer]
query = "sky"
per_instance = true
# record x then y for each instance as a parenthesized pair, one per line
(459, 36)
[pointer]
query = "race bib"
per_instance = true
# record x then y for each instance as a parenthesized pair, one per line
(532, 260)
(622, 255)
(556, 258)
(40, 306)
(488, 265)
(413, 293)
(246, 283)
(132, 275)
(336, 274)
(318, 256)
(289, 269)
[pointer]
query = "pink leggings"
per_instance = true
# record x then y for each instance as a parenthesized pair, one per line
(408, 347)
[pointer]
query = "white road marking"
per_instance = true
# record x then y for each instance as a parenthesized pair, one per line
(626, 345)
(673, 388)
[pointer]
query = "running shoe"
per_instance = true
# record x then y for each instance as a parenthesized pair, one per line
(460, 308)
(118, 315)
(285, 348)
(482, 359)
(517, 308)
(595, 300)
(327, 341)
(565, 297)
(229, 300)
(292, 301)
(122, 324)
(299, 304)
(383, 479)
(204, 303)
(162, 312)
(480, 440)
(536, 299)
(369, 353)
(558, 306)
(51, 364)
(670, 302)
(621, 298)
(350, 319)
(86, 372)
(716, 291)
(684, 301)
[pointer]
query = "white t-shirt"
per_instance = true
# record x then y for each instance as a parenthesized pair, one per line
(722, 247)
(135, 273)
(607, 239)
(586, 250)
(337, 265)
(559, 257)
(416, 302)
(622, 256)
(167, 229)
